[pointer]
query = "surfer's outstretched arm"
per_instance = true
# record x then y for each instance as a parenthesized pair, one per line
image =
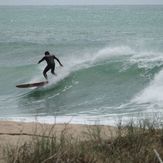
(41, 60)
(58, 61)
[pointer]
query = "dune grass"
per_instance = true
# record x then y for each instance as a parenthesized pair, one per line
(133, 143)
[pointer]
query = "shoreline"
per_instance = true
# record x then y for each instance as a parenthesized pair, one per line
(75, 120)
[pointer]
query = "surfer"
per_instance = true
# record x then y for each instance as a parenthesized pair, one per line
(49, 58)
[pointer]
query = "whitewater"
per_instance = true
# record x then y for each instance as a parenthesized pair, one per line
(113, 63)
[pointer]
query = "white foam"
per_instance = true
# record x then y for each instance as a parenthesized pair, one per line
(144, 59)
(112, 120)
(153, 93)
(147, 59)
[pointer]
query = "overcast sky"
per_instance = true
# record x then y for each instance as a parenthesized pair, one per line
(78, 2)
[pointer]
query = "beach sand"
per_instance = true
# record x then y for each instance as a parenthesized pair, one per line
(16, 133)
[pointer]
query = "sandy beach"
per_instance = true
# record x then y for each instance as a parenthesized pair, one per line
(16, 133)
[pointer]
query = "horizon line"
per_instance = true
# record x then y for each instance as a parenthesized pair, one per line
(80, 4)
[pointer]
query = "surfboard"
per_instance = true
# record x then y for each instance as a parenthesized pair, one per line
(29, 85)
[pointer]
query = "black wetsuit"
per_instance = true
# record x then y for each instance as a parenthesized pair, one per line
(50, 64)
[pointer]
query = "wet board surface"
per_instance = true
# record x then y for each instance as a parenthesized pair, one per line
(29, 85)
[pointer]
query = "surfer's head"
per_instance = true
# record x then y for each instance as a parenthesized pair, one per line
(47, 53)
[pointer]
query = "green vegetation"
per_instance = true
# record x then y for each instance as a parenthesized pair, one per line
(133, 143)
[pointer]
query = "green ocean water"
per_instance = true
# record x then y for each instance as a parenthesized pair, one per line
(112, 57)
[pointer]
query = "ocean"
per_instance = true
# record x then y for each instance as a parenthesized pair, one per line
(112, 57)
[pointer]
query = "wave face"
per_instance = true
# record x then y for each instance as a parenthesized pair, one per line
(113, 63)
